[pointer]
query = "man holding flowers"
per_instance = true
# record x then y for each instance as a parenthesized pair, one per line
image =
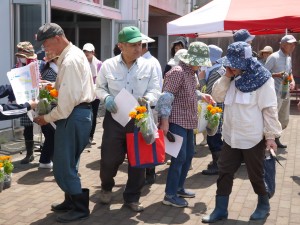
(73, 118)
(138, 76)
(250, 126)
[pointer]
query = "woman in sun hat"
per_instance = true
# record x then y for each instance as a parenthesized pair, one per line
(25, 55)
(250, 126)
(177, 109)
(264, 54)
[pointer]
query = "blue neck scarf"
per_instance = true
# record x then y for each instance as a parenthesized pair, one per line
(253, 77)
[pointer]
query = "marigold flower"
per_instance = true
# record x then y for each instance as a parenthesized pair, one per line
(213, 111)
(132, 114)
(141, 109)
(139, 116)
(54, 93)
(1, 165)
(49, 87)
(209, 107)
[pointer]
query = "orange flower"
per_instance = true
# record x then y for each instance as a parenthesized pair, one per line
(213, 111)
(219, 110)
(141, 109)
(1, 165)
(54, 93)
(209, 107)
(132, 114)
(139, 116)
(49, 87)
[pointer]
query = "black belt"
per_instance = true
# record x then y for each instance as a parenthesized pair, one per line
(84, 105)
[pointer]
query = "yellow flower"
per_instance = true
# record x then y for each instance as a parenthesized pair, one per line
(213, 111)
(219, 110)
(141, 109)
(1, 165)
(209, 107)
(139, 116)
(132, 114)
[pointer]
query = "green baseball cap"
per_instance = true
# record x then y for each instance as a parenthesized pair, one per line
(130, 35)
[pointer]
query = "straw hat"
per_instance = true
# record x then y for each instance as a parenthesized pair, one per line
(267, 48)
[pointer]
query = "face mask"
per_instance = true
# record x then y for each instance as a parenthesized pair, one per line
(22, 60)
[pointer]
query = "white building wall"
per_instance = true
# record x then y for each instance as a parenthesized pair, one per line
(6, 49)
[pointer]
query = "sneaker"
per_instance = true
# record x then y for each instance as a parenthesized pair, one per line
(46, 165)
(105, 196)
(175, 201)
(185, 193)
(134, 206)
(168, 162)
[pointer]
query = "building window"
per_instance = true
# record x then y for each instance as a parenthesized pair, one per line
(111, 3)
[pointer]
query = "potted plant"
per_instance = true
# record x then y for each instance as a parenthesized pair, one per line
(8, 167)
(1, 177)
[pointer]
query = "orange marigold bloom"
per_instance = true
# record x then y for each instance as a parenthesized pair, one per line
(209, 107)
(213, 111)
(139, 116)
(141, 109)
(49, 87)
(219, 110)
(54, 93)
(1, 165)
(132, 114)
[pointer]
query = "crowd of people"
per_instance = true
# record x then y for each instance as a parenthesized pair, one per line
(245, 85)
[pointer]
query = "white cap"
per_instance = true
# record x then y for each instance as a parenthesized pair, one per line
(146, 39)
(288, 39)
(88, 47)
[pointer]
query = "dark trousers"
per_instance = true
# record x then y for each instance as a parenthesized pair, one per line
(215, 142)
(229, 162)
(113, 150)
(95, 107)
(48, 146)
(28, 133)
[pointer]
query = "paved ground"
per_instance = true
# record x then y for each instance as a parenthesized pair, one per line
(34, 190)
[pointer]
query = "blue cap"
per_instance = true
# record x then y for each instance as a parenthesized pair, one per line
(243, 35)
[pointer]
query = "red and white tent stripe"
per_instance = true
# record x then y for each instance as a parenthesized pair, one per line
(220, 18)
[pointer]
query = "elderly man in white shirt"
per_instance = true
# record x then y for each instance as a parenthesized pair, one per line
(73, 118)
(250, 126)
(138, 76)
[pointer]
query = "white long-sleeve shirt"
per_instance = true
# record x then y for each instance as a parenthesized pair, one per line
(248, 117)
(140, 80)
(74, 83)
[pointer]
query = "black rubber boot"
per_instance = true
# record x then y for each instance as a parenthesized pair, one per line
(81, 208)
(65, 206)
(29, 152)
(278, 143)
(150, 176)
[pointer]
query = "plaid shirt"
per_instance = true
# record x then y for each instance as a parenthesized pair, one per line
(181, 82)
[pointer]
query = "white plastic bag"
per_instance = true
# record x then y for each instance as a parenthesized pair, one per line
(149, 132)
(202, 122)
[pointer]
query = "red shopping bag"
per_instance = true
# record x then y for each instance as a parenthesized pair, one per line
(142, 155)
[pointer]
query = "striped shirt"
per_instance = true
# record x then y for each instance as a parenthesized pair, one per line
(181, 82)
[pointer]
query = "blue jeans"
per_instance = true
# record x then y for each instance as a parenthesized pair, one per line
(180, 166)
(71, 137)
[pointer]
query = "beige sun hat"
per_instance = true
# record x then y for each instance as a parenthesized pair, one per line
(266, 49)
